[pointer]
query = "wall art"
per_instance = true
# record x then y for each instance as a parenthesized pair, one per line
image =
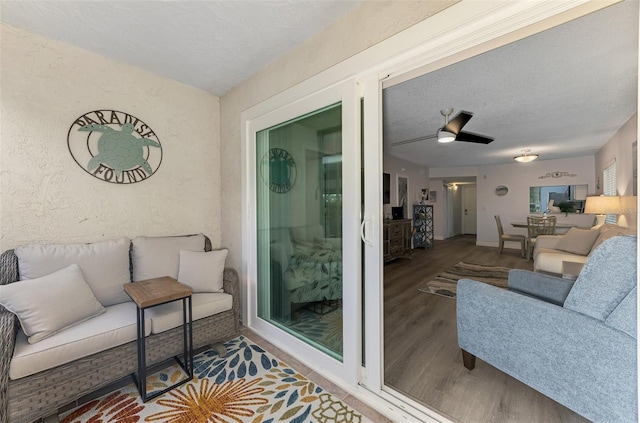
(279, 171)
(403, 190)
(502, 190)
(557, 175)
(114, 146)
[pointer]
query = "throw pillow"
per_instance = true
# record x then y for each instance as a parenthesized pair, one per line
(104, 265)
(610, 232)
(51, 303)
(578, 241)
(154, 257)
(202, 271)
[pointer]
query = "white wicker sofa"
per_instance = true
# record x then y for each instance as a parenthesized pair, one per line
(45, 370)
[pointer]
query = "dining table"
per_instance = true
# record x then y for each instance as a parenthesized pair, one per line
(565, 225)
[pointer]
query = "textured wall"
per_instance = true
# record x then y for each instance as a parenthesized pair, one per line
(619, 148)
(46, 196)
(366, 26)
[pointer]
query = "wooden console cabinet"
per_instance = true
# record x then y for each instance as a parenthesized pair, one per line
(397, 239)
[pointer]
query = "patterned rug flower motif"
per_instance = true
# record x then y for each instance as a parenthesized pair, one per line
(246, 385)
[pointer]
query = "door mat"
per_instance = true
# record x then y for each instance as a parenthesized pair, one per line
(445, 284)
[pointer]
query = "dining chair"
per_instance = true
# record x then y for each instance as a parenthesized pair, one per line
(502, 237)
(538, 226)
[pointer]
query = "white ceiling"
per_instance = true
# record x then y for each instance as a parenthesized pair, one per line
(211, 45)
(561, 93)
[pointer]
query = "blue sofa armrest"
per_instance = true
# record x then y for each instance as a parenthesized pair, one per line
(574, 359)
(548, 288)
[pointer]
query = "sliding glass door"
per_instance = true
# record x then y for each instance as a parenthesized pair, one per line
(305, 278)
(299, 227)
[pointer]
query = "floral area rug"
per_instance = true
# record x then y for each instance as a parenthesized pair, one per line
(325, 329)
(246, 385)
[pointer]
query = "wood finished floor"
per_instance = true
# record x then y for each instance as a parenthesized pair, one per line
(422, 357)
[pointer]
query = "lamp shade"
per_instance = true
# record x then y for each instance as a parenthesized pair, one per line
(602, 204)
(629, 204)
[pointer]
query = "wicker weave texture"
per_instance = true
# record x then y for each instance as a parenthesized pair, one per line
(39, 395)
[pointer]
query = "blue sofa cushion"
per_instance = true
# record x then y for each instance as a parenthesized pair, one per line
(624, 317)
(607, 278)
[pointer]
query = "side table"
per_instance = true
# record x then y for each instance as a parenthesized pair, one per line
(571, 269)
(151, 293)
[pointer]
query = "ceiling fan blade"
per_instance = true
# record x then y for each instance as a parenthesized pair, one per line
(471, 137)
(456, 124)
(412, 140)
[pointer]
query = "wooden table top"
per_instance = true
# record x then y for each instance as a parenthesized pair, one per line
(558, 225)
(156, 291)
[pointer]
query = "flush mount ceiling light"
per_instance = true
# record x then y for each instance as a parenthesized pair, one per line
(525, 157)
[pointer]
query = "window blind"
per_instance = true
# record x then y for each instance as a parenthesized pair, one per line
(609, 188)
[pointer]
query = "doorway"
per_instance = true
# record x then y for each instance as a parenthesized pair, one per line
(469, 210)
(371, 219)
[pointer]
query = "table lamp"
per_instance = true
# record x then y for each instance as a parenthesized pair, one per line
(601, 206)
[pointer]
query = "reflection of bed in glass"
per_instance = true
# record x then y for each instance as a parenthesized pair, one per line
(307, 267)
(573, 195)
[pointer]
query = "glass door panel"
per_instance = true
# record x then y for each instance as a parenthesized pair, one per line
(299, 228)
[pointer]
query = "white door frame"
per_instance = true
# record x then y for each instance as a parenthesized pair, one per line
(348, 369)
(462, 30)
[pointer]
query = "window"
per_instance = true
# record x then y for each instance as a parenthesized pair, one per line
(609, 188)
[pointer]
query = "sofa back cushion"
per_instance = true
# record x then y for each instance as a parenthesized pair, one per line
(104, 265)
(608, 231)
(606, 279)
(578, 241)
(154, 257)
(305, 233)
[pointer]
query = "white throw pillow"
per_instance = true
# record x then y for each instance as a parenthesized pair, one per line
(202, 271)
(51, 303)
(104, 265)
(154, 257)
(578, 241)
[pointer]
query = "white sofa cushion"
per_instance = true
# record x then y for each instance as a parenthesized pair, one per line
(51, 303)
(202, 271)
(154, 257)
(116, 326)
(168, 316)
(551, 262)
(104, 265)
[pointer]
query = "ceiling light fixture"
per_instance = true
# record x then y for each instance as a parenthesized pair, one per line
(525, 157)
(445, 136)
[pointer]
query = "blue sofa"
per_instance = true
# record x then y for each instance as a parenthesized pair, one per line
(575, 342)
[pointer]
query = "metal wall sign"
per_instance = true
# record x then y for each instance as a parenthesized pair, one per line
(114, 146)
(279, 170)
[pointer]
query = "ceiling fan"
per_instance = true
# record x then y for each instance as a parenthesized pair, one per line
(452, 130)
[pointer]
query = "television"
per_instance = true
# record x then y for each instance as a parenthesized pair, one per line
(386, 188)
(397, 213)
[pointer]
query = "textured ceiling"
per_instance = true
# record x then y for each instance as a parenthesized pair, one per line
(211, 45)
(561, 93)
